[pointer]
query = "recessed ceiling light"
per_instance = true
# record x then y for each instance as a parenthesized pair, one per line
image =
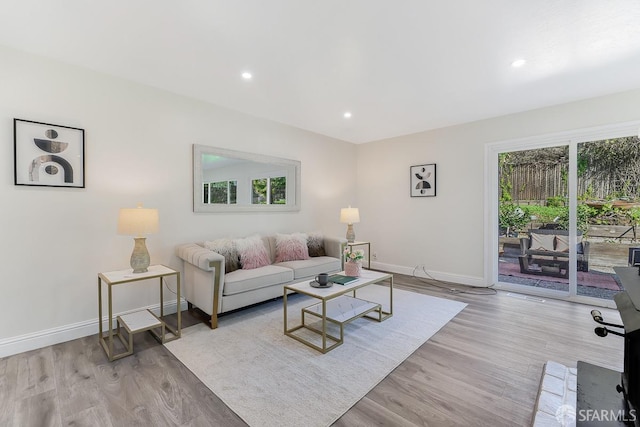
(347, 115)
(518, 63)
(246, 75)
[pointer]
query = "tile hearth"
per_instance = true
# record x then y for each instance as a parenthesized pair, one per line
(556, 403)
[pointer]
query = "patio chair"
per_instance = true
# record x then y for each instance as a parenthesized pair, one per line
(552, 245)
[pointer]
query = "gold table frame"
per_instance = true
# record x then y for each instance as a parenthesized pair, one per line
(333, 296)
(119, 277)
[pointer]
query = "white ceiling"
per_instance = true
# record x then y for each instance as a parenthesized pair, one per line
(400, 66)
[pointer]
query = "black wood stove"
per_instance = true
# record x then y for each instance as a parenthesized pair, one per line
(606, 397)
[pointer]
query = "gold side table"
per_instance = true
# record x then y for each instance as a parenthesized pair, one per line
(368, 245)
(139, 321)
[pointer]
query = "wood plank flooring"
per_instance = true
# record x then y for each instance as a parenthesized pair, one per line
(482, 369)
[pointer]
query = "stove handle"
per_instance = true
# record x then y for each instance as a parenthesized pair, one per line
(597, 317)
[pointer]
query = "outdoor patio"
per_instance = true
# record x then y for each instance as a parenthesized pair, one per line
(600, 281)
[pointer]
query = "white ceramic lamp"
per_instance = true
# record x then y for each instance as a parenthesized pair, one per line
(350, 216)
(138, 222)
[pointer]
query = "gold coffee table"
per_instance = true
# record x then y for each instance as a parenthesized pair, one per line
(337, 307)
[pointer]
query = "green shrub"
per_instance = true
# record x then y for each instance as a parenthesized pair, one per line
(555, 201)
(584, 212)
(545, 214)
(513, 217)
(634, 216)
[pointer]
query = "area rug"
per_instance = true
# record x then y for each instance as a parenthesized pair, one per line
(269, 379)
(593, 279)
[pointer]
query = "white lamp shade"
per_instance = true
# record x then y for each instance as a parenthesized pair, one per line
(349, 215)
(138, 221)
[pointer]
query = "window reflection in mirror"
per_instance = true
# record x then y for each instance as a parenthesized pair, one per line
(234, 181)
(269, 191)
(221, 192)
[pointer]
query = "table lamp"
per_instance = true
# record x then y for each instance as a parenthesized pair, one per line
(138, 222)
(350, 216)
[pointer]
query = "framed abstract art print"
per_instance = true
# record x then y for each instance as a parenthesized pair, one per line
(48, 155)
(423, 180)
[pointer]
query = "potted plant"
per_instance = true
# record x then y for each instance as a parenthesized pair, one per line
(353, 261)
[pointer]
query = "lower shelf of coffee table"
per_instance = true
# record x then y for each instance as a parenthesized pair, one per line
(343, 309)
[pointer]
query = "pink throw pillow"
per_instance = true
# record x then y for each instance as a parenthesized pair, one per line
(291, 247)
(252, 252)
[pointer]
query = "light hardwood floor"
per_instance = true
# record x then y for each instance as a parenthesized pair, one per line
(482, 369)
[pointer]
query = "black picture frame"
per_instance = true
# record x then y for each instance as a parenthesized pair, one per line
(634, 256)
(48, 155)
(422, 180)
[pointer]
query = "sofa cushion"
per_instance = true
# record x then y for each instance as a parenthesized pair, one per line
(226, 248)
(315, 243)
(543, 242)
(253, 253)
(247, 280)
(312, 266)
(291, 247)
(562, 243)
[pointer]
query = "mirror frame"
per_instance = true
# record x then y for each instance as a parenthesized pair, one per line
(200, 207)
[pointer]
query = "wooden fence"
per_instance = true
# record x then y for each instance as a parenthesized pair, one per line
(539, 183)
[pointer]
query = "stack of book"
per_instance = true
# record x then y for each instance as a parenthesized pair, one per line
(341, 279)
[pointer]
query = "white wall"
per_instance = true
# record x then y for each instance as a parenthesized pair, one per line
(446, 233)
(138, 149)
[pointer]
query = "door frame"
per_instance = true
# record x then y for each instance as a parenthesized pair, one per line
(571, 138)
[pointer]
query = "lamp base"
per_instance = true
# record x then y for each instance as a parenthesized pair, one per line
(351, 235)
(140, 257)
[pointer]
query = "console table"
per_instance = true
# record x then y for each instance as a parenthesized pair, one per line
(143, 320)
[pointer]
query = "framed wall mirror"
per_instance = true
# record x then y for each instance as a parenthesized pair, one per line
(235, 181)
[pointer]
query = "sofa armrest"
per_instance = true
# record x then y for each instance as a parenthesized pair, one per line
(203, 279)
(334, 246)
(202, 258)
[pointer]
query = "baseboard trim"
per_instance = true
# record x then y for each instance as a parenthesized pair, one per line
(438, 275)
(35, 340)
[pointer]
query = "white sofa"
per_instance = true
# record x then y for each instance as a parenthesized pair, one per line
(208, 287)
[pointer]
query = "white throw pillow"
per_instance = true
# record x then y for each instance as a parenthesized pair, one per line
(226, 248)
(252, 252)
(543, 242)
(291, 247)
(562, 243)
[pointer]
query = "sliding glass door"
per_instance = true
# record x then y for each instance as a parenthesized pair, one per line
(565, 213)
(608, 210)
(533, 218)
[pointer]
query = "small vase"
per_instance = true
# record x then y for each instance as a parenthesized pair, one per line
(353, 268)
